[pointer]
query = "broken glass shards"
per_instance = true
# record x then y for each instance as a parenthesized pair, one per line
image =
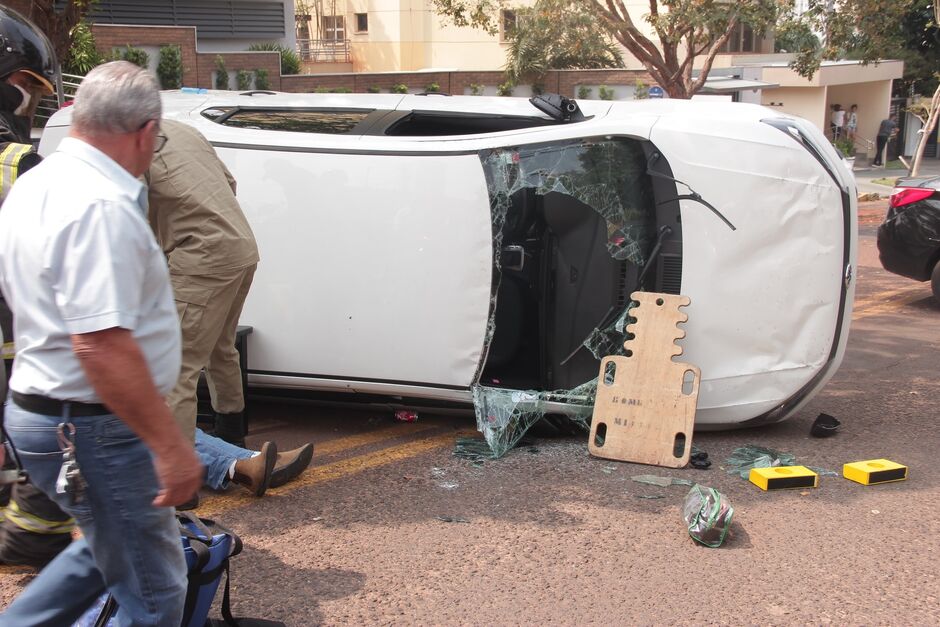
(752, 456)
(707, 515)
(601, 173)
(474, 450)
(662, 482)
(504, 416)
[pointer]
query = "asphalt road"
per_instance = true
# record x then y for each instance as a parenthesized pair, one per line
(554, 536)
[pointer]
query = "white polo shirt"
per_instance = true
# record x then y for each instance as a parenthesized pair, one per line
(77, 256)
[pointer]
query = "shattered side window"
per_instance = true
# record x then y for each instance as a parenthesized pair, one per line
(609, 176)
(600, 173)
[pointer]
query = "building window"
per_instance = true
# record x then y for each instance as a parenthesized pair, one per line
(334, 27)
(742, 39)
(362, 22)
(508, 20)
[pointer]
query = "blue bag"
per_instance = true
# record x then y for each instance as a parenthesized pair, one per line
(207, 546)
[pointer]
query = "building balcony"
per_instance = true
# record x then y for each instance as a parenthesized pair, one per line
(324, 50)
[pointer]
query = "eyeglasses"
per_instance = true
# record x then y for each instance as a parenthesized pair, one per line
(159, 142)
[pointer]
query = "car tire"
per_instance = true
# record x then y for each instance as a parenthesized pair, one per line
(935, 281)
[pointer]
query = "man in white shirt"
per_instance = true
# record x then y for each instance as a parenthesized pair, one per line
(98, 348)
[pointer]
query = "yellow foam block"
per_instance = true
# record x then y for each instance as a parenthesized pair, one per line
(874, 471)
(783, 477)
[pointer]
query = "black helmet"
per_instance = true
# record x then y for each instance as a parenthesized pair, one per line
(24, 47)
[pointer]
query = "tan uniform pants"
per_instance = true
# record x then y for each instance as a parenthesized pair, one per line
(209, 307)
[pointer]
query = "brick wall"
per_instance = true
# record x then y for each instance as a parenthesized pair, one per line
(110, 36)
(197, 67)
(234, 61)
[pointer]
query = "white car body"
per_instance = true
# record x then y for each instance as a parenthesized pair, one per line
(377, 252)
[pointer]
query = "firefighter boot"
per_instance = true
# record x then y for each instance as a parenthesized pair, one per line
(231, 427)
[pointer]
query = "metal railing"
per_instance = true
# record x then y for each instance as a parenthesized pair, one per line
(50, 104)
(324, 50)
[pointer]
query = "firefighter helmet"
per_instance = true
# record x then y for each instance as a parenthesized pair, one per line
(24, 47)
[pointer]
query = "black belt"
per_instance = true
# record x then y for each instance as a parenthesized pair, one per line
(53, 407)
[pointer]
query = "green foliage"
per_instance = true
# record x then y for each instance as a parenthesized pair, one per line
(221, 74)
(920, 51)
(243, 79)
(170, 67)
(641, 90)
(136, 56)
(83, 54)
(795, 36)
(538, 89)
(845, 146)
(374, 89)
(341, 90)
(400, 88)
(432, 88)
(605, 92)
(584, 92)
(864, 30)
(687, 34)
(321, 90)
(290, 60)
(261, 79)
(476, 89)
(505, 89)
(558, 35)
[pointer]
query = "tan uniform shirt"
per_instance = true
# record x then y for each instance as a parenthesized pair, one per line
(193, 213)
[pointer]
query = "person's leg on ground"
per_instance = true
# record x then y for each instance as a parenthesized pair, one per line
(217, 456)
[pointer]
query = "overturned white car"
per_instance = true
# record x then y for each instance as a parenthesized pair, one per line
(434, 249)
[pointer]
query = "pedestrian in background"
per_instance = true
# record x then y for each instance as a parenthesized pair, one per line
(886, 130)
(98, 348)
(851, 123)
(212, 256)
(837, 121)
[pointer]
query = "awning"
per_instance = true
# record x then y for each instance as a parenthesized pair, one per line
(729, 84)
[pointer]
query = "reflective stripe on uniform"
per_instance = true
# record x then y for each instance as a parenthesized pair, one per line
(35, 524)
(9, 165)
(8, 351)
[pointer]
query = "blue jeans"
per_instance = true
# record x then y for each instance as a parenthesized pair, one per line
(130, 547)
(217, 456)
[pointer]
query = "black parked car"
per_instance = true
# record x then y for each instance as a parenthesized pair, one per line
(909, 238)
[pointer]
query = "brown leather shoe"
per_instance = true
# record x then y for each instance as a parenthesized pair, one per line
(290, 464)
(255, 473)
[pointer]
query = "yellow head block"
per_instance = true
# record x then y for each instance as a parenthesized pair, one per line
(783, 478)
(874, 471)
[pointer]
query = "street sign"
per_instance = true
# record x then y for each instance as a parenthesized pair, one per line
(656, 92)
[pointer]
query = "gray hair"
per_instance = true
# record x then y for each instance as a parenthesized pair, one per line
(117, 97)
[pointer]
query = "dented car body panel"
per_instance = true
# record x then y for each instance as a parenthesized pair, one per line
(473, 250)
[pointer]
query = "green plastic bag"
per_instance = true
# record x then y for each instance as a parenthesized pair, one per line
(708, 515)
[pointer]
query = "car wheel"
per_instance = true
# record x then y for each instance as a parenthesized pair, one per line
(935, 281)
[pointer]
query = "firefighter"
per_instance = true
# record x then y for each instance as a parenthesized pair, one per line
(33, 529)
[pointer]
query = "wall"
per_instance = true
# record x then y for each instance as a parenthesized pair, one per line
(198, 67)
(805, 102)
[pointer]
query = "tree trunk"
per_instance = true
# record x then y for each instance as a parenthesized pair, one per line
(929, 126)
